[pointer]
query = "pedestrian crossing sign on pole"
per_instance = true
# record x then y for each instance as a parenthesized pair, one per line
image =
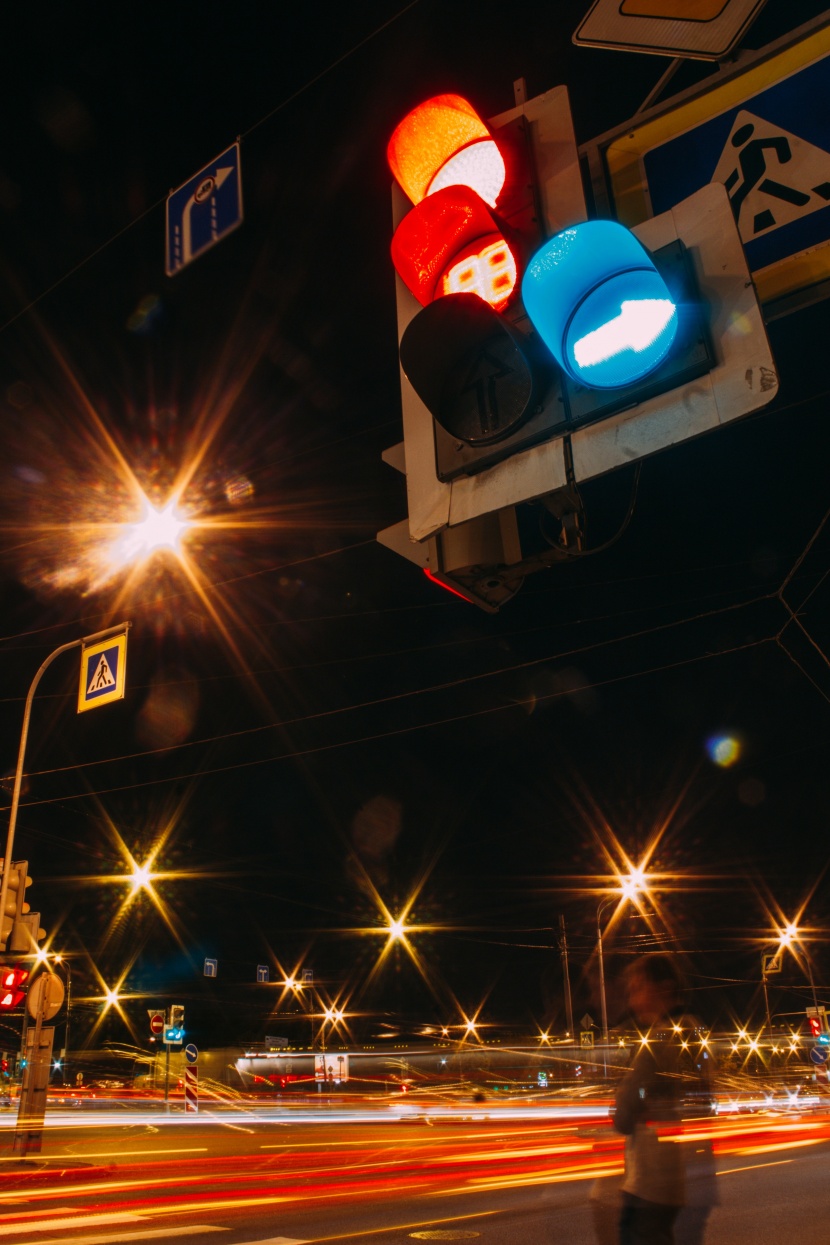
(103, 672)
(761, 129)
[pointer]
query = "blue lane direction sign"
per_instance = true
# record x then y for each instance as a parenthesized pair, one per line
(203, 210)
(103, 672)
(211, 968)
(191, 1053)
(262, 973)
(819, 1054)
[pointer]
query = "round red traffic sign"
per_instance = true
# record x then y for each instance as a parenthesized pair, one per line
(156, 1024)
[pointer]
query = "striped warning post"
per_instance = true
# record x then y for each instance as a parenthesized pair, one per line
(191, 1088)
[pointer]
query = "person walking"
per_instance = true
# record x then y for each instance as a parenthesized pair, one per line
(648, 1106)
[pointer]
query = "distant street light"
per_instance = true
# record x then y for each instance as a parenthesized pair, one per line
(141, 877)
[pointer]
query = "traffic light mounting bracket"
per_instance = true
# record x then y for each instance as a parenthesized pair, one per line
(743, 377)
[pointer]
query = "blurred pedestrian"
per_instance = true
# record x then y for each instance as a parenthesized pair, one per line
(648, 1107)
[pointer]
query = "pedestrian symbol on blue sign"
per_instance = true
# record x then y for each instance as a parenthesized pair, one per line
(772, 177)
(203, 210)
(103, 672)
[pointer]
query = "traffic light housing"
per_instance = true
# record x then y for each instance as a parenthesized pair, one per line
(814, 1023)
(16, 906)
(497, 409)
(174, 1029)
(13, 979)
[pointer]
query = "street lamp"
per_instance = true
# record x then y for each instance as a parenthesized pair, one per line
(64, 963)
(632, 885)
(786, 938)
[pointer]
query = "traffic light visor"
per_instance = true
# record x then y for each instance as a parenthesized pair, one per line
(600, 305)
(470, 369)
(443, 142)
(450, 244)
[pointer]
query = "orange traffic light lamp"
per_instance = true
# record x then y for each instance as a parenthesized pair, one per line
(11, 982)
(443, 142)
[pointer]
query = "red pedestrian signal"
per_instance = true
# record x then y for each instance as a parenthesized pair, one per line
(451, 244)
(11, 982)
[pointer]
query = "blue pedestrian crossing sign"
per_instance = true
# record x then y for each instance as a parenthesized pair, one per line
(103, 672)
(203, 210)
(764, 134)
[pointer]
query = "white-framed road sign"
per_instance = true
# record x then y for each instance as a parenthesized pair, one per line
(702, 29)
(103, 672)
(764, 134)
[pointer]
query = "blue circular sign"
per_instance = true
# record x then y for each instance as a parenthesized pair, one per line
(819, 1054)
(191, 1054)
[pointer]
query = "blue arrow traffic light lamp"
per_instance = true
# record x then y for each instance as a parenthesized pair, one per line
(599, 304)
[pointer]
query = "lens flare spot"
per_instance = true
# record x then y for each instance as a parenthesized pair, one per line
(724, 750)
(239, 490)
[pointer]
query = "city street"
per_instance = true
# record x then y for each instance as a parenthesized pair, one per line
(258, 1179)
(415, 662)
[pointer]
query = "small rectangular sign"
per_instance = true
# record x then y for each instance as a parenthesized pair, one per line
(211, 968)
(103, 672)
(262, 973)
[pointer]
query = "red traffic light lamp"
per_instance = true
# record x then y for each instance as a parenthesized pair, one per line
(815, 1026)
(11, 982)
(451, 244)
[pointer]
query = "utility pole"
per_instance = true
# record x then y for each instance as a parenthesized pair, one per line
(563, 947)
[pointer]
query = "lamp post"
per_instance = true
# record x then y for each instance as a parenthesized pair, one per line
(604, 904)
(64, 963)
(630, 886)
(786, 938)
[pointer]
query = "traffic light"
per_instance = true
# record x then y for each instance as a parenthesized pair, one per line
(12, 981)
(815, 1026)
(539, 349)
(15, 905)
(174, 1031)
(460, 251)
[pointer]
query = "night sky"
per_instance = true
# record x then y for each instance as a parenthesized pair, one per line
(312, 732)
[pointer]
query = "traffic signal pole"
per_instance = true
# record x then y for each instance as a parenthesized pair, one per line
(21, 755)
